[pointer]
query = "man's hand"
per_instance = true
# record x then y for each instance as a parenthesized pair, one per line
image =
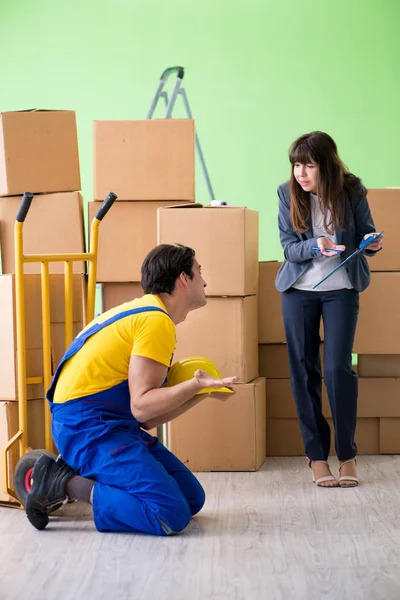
(207, 381)
(324, 243)
(376, 245)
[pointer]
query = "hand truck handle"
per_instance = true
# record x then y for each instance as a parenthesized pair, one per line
(170, 70)
(24, 206)
(105, 207)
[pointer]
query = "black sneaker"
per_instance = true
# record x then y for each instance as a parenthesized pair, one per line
(48, 491)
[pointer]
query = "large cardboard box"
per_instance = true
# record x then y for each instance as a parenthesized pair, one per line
(389, 438)
(274, 361)
(128, 233)
(224, 331)
(225, 240)
(33, 327)
(379, 365)
(145, 160)
(114, 294)
(284, 437)
(378, 329)
(385, 208)
(38, 152)
(9, 427)
(54, 225)
(223, 435)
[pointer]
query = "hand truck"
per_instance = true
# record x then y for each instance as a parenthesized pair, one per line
(27, 456)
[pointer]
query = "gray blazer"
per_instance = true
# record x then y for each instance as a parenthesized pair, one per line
(297, 246)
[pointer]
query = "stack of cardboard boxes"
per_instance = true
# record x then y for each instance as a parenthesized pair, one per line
(377, 341)
(148, 164)
(39, 153)
(221, 435)
(283, 432)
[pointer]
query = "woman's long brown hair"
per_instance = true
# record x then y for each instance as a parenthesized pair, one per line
(334, 182)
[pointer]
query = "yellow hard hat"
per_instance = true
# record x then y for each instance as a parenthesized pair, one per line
(184, 369)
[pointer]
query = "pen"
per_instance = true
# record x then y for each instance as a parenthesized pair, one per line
(327, 250)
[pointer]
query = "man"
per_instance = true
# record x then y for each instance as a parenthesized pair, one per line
(107, 390)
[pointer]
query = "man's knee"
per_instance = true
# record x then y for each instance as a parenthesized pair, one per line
(198, 500)
(174, 519)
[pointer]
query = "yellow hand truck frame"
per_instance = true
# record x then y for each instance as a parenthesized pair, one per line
(27, 456)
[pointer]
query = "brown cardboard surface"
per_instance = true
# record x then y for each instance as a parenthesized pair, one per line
(389, 436)
(225, 240)
(274, 362)
(379, 365)
(145, 160)
(284, 437)
(271, 329)
(280, 400)
(385, 207)
(378, 329)
(378, 397)
(128, 233)
(9, 427)
(38, 152)
(223, 435)
(33, 327)
(114, 294)
(270, 322)
(54, 225)
(58, 340)
(224, 331)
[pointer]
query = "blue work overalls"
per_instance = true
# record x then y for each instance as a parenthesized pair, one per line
(140, 485)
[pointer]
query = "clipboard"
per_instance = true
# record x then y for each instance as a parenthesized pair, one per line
(362, 247)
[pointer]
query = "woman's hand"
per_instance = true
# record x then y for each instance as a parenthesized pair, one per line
(376, 245)
(325, 242)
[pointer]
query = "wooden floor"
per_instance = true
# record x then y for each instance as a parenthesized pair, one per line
(270, 535)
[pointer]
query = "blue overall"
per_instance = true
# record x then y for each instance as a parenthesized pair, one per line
(140, 485)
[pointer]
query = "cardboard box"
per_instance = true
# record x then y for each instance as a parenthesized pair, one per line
(9, 427)
(225, 240)
(378, 397)
(127, 234)
(54, 225)
(223, 435)
(38, 152)
(274, 361)
(224, 331)
(378, 329)
(379, 365)
(284, 437)
(270, 328)
(145, 160)
(281, 403)
(389, 436)
(270, 322)
(33, 327)
(385, 208)
(58, 347)
(114, 294)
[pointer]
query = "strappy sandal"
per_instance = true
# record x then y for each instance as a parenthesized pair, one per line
(351, 478)
(322, 479)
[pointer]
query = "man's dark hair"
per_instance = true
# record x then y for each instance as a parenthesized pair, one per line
(163, 265)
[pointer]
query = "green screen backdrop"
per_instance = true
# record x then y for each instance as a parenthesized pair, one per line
(258, 74)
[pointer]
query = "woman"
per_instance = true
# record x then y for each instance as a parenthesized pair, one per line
(323, 217)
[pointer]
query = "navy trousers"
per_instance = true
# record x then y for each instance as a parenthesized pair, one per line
(302, 312)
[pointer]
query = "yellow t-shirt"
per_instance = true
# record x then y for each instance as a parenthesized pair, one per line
(103, 361)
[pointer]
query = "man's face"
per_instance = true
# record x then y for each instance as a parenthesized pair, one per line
(197, 287)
